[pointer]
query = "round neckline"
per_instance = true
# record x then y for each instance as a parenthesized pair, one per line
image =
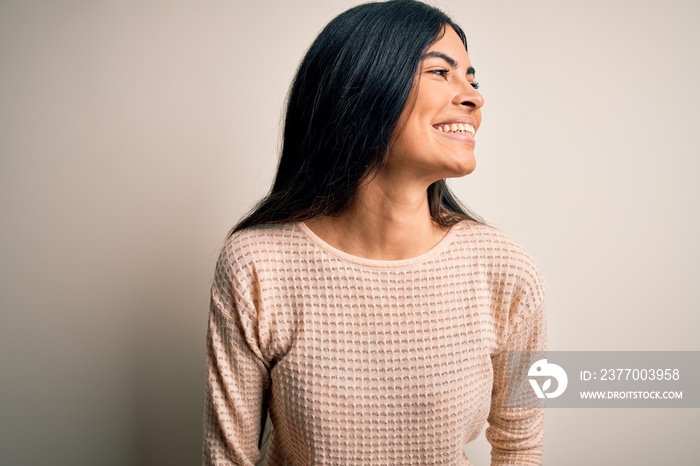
(381, 263)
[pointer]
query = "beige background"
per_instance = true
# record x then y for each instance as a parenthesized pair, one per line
(134, 134)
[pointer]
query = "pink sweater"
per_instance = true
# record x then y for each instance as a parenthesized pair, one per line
(369, 362)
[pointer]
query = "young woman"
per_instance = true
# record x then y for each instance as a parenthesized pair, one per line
(359, 303)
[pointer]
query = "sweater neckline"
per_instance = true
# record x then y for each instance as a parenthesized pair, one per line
(381, 263)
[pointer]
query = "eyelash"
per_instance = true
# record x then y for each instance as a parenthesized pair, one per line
(440, 72)
(443, 73)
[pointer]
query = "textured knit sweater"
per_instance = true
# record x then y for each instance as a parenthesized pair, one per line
(369, 362)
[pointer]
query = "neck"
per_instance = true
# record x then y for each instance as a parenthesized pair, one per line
(385, 221)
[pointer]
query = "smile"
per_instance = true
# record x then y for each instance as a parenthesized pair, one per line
(458, 128)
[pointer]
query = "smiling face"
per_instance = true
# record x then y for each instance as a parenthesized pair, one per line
(435, 133)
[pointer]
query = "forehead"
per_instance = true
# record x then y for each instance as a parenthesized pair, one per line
(450, 44)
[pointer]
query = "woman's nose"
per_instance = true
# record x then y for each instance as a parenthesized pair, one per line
(469, 97)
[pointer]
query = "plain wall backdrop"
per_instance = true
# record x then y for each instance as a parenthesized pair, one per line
(133, 135)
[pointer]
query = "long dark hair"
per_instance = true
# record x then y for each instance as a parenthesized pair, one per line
(343, 107)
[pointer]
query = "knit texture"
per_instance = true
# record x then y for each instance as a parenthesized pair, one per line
(369, 362)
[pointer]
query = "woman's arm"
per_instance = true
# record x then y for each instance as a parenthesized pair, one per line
(237, 374)
(516, 433)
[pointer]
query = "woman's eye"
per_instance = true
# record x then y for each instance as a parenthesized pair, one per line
(442, 73)
(475, 85)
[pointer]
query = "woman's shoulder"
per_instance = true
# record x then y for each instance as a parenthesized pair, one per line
(490, 240)
(261, 235)
(496, 251)
(261, 241)
(247, 253)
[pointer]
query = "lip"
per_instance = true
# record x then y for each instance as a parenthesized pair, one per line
(463, 120)
(458, 119)
(458, 136)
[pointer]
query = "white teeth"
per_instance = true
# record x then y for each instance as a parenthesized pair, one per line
(455, 127)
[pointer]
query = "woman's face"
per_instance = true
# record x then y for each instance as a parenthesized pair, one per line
(435, 135)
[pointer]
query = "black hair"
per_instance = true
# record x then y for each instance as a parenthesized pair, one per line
(343, 107)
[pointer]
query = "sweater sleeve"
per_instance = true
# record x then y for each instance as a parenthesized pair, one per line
(237, 373)
(516, 433)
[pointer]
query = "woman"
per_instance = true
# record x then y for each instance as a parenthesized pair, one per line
(359, 302)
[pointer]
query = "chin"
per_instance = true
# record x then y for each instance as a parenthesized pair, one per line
(464, 167)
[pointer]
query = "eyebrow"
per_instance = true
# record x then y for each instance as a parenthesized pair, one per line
(452, 62)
